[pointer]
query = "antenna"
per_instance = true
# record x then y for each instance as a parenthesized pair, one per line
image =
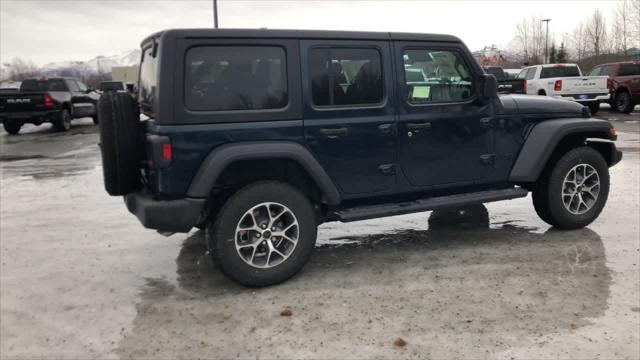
(215, 14)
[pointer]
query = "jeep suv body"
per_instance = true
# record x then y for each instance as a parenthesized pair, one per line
(261, 135)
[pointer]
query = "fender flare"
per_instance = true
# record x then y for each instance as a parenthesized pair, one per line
(224, 155)
(545, 137)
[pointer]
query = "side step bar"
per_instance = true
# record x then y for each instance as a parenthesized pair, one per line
(434, 203)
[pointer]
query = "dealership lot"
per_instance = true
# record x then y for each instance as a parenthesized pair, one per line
(81, 278)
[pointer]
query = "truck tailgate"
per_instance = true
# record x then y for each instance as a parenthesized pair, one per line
(584, 85)
(21, 102)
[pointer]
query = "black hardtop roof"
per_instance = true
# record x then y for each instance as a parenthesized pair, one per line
(300, 34)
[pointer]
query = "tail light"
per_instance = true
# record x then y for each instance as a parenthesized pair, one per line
(167, 152)
(610, 83)
(159, 151)
(557, 86)
(48, 101)
(525, 86)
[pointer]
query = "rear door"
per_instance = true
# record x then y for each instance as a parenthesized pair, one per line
(350, 121)
(629, 74)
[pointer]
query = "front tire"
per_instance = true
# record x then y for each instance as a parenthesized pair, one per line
(63, 123)
(572, 193)
(263, 234)
(12, 127)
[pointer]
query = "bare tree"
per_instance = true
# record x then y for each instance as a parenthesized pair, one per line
(597, 33)
(530, 39)
(20, 69)
(634, 19)
(621, 28)
(578, 39)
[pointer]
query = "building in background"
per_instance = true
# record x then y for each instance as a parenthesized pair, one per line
(126, 74)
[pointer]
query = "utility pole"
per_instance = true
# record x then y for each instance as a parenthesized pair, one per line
(546, 41)
(215, 14)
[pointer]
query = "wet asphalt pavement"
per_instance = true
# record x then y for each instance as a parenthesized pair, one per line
(81, 278)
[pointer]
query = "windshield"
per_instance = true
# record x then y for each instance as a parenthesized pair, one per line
(112, 85)
(148, 81)
(33, 85)
(559, 71)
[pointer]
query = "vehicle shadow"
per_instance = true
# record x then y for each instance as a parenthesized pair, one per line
(461, 277)
(463, 235)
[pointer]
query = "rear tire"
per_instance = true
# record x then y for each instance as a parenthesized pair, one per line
(573, 192)
(12, 127)
(119, 143)
(249, 227)
(95, 119)
(624, 102)
(594, 107)
(63, 123)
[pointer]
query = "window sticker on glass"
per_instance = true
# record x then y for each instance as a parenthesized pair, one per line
(421, 93)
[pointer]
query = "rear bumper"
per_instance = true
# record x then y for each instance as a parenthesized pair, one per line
(617, 156)
(178, 215)
(585, 98)
(30, 117)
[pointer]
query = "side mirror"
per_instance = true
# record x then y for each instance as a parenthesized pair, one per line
(488, 88)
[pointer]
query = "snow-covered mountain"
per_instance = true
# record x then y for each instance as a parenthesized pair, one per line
(97, 65)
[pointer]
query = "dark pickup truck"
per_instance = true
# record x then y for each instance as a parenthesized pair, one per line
(55, 100)
(506, 85)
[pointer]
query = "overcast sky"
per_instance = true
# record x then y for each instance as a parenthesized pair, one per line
(51, 30)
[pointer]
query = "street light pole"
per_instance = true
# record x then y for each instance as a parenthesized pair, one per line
(215, 14)
(546, 41)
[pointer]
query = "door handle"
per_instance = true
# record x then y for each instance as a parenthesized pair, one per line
(333, 133)
(387, 129)
(486, 123)
(419, 126)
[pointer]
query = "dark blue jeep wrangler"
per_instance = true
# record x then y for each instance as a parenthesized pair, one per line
(261, 135)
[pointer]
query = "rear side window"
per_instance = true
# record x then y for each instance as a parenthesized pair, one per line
(629, 69)
(148, 81)
(343, 76)
(559, 71)
(497, 72)
(220, 78)
(73, 85)
(111, 85)
(522, 74)
(607, 70)
(32, 85)
(446, 76)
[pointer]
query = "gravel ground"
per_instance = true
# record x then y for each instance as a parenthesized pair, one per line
(80, 278)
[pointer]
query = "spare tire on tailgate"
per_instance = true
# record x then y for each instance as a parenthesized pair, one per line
(120, 144)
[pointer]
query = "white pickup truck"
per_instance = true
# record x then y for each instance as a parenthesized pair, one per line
(565, 81)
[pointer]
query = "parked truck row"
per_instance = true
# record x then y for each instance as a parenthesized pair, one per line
(617, 84)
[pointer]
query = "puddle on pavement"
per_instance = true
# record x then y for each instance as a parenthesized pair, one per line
(424, 282)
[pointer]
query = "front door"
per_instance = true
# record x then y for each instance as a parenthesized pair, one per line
(444, 133)
(349, 117)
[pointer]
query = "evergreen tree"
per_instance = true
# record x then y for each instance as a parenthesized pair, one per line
(552, 54)
(561, 56)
